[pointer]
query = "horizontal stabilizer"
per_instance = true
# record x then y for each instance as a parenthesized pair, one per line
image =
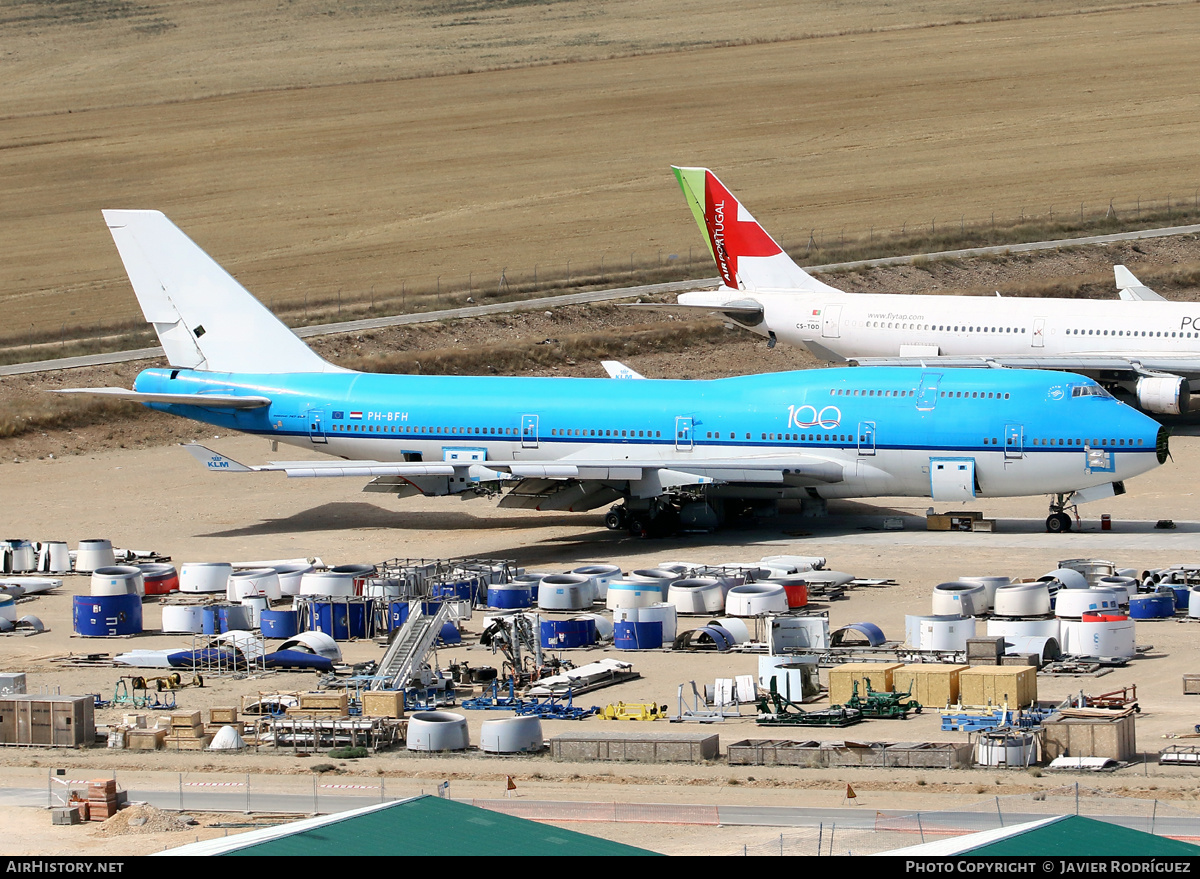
(741, 308)
(1131, 289)
(209, 401)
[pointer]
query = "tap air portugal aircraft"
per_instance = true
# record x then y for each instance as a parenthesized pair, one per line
(669, 452)
(1140, 345)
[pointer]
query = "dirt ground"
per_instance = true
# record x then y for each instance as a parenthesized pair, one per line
(321, 151)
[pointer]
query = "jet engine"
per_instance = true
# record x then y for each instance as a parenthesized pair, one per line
(1163, 394)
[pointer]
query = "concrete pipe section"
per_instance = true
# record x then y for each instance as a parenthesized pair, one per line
(437, 731)
(511, 735)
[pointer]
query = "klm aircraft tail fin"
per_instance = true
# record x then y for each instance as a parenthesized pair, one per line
(204, 318)
(746, 256)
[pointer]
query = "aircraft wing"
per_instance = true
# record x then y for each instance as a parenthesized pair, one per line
(211, 401)
(1088, 364)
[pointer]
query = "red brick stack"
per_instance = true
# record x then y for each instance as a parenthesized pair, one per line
(102, 799)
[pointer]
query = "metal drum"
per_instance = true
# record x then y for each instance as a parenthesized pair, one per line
(507, 596)
(100, 616)
(117, 580)
(638, 636)
(183, 618)
(664, 613)
(279, 623)
(159, 579)
(1154, 606)
(204, 577)
(795, 589)
(93, 554)
(562, 634)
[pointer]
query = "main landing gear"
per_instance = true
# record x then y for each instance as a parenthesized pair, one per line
(1059, 521)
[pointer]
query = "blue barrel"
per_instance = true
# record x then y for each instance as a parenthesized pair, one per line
(210, 623)
(507, 596)
(357, 620)
(430, 607)
(331, 618)
(280, 623)
(97, 616)
(638, 636)
(1180, 593)
(1154, 606)
(568, 633)
(397, 614)
(449, 635)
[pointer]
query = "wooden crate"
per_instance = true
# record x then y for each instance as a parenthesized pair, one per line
(145, 739)
(1191, 685)
(325, 700)
(997, 685)
(185, 719)
(383, 703)
(187, 743)
(933, 685)
(842, 678)
(318, 712)
(222, 715)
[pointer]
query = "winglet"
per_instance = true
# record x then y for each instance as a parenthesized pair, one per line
(215, 460)
(1131, 289)
(746, 256)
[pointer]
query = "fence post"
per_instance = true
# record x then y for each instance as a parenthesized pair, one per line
(820, 836)
(832, 831)
(999, 814)
(920, 829)
(181, 792)
(1076, 798)
(1153, 816)
(247, 793)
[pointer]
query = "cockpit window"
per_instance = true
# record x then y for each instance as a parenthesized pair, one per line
(1089, 391)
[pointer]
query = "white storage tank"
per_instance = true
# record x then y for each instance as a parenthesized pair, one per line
(437, 731)
(566, 592)
(290, 577)
(756, 599)
(1046, 627)
(204, 577)
(327, 583)
(254, 583)
(602, 576)
(1022, 600)
(959, 599)
(118, 580)
(990, 584)
(697, 595)
(92, 554)
(511, 735)
(632, 593)
(183, 618)
(938, 632)
(664, 613)
(1074, 603)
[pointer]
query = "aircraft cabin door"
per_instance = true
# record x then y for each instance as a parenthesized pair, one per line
(529, 431)
(866, 438)
(316, 426)
(683, 433)
(831, 322)
(1014, 441)
(952, 479)
(1039, 333)
(927, 392)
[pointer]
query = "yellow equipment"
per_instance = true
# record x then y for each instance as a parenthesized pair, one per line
(634, 711)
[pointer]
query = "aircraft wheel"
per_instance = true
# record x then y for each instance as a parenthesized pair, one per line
(1058, 522)
(637, 527)
(613, 520)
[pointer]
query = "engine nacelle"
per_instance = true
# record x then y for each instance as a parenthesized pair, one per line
(1163, 394)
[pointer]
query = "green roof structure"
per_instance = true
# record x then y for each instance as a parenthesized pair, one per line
(424, 825)
(1065, 835)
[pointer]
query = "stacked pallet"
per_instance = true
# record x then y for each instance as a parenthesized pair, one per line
(187, 732)
(102, 799)
(322, 704)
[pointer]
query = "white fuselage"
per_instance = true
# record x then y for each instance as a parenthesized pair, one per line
(852, 325)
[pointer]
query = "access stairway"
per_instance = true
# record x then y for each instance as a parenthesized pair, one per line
(406, 654)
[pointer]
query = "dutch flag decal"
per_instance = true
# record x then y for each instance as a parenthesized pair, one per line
(356, 416)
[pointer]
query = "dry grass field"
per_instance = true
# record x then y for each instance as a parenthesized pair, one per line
(357, 150)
